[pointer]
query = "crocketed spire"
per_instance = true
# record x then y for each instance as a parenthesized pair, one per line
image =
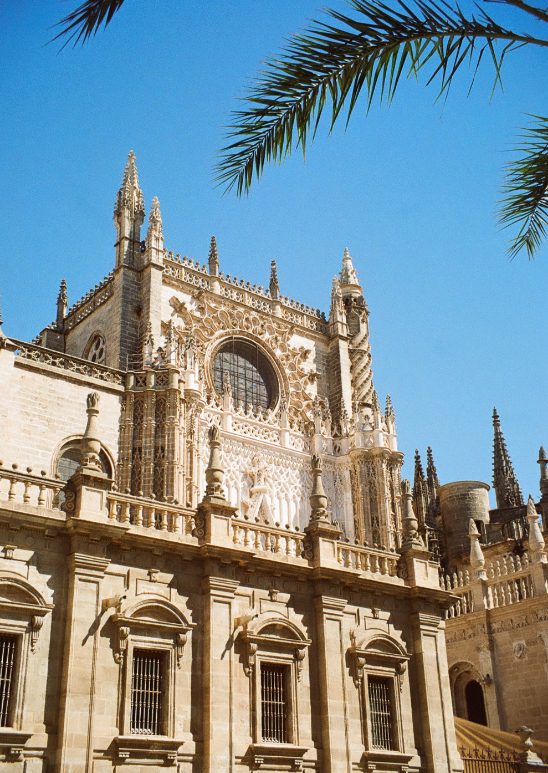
(129, 214)
(213, 258)
(274, 284)
(130, 195)
(350, 283)
(505, 482)
(419, 472)
(431, 472)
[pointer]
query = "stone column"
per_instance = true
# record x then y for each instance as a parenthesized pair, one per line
(78, 686)
(332, 680)
(432, 701)
(217, 674)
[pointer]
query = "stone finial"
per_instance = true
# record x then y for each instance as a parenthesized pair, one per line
(410, 526)
(214, 472)
(536, 540)
(375, 404)
(477, 559)
(505, 481)
(274, 285)
(62, 305)
(213, 257)
(148, 346)
(318, 499)
(389, 411)
(419, 472)
(528, 755)
(349, 277)
(90, 444)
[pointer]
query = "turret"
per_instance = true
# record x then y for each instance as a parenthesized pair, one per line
(505, 483)
(129, 215)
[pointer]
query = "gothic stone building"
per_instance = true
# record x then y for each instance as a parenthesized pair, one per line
(494, 561)
(218, 570)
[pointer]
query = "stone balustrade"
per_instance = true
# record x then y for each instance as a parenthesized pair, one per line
(263, 538)
(29, 488)
(38, 354)
(507, 580)
(149, 514)
(370, 560)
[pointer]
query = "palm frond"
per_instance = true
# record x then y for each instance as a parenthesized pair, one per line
(79, 25)
(332, 64)
(526, 204)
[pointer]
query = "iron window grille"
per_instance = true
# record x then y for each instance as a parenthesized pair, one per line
(147, 692)
(380, 706)
(274, 702)
(8, 646)
(243, 366)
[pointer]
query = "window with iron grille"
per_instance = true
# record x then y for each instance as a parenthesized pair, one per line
(380, 708)
(274, 702)
(8, 646)
(243, 366)
(147, 692)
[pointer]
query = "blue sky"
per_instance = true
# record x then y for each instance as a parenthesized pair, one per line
(412, 189)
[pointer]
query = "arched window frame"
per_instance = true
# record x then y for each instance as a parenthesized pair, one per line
(97, 335)
(155, 624)
(22, 618)
(287, 647)
(379, 655)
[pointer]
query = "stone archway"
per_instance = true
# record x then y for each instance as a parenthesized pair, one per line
(475, 702)
(467, 693)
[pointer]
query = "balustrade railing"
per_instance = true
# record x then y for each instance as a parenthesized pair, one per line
(29, 488)
(150, 514)
(38, 354)
(267, 539)
(364, 559)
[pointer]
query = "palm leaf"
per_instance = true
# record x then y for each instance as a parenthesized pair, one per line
(526, 203)
(332, 63)
(79, 25)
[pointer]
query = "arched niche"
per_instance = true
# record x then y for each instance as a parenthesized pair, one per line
(467, 692)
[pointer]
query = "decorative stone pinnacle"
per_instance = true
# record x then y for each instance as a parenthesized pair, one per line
(543, 462)
(213, 258)
(541, 454)
(410, 526)
(375, 402)
(62, 304)
(419, 472)
(349, 276)
(90, 443)
(130, 196)
(477, 559)
(214, 472)
(318, 499)
(431, 472)
(389, 411)
(62, 296)
(536, 540)
(274, 284)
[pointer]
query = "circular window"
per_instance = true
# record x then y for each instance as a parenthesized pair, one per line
(251, 377)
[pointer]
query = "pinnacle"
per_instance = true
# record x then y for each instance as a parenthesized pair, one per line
(348, 272)
(274, 283)
(505, 481)
(541, 454)
(419, 472)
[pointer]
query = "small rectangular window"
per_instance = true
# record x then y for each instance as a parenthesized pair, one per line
(147, 692)
(380, 707)
(8, 645)
(274, 702)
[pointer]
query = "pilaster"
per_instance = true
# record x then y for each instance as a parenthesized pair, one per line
(332, 678)
(217, 673)
(79, 684)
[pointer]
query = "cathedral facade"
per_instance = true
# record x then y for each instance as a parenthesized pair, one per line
(209, 562)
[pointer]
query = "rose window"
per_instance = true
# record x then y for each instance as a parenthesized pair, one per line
(242, 365)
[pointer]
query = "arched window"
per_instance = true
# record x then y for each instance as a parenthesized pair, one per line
(96, 349)
(241, 365)
(475, 703)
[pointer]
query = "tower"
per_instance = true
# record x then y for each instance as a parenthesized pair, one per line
(505, 482)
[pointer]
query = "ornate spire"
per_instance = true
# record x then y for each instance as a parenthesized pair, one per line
(419, 472)
(431, 472)
(505, 482)
(274, 284)
(129, 214)
(62, 304)
(350, 283)
(389, 411)
(213, 257)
